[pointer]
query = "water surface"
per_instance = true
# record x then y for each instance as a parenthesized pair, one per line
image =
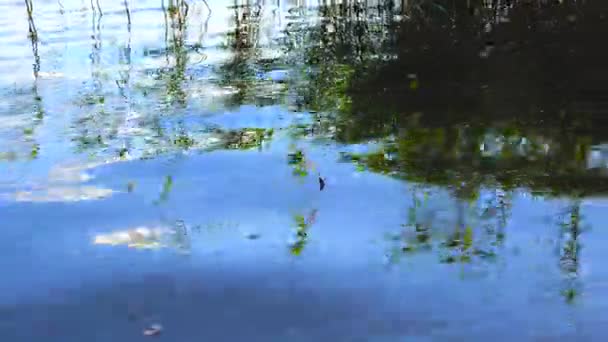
(299, 170)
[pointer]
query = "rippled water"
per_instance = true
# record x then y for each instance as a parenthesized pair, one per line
(291, 170)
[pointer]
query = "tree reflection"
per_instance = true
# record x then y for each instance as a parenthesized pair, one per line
(326, 56)
(177, 13)
(379, 76)
(38, 106)
(473, 234)
(94, 128)
(569, 249)
(240, 72)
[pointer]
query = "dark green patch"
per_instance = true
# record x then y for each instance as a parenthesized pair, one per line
(448, 259)
(35, 151)
(122, 153)
(570, 295)
(184, 141)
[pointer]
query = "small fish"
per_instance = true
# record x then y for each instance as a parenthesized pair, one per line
(321, 183)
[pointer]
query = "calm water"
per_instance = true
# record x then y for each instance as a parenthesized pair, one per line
(295, 171)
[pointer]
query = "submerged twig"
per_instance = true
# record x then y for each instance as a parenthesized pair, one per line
(99, 8)
(126, 3)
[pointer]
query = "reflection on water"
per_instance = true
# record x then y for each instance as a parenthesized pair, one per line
(461, 144)
(141, 237)
(175, 235)
(63, 194)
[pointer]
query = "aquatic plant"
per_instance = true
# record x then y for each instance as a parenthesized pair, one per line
(297, 161)
(165, 190)
(301, 233)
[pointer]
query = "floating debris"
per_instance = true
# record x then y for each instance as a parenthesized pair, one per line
(253, 236)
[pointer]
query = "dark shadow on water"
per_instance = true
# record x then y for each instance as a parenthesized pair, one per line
(520, 104)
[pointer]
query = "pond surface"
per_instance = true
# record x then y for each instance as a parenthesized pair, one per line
(303, 170)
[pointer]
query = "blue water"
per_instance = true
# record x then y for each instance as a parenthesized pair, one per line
(109, 223)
